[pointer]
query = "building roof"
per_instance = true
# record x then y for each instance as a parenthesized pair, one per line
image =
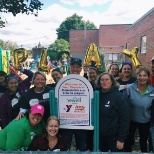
(140, 19)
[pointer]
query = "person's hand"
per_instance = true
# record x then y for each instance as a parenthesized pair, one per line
(21, 67)
(19, 116)
(120, 76)
(120, 145)
(125, 87)
(117, 78)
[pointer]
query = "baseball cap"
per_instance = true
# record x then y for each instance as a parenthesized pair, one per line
(152, 59)
(76, 60)
(37, 108)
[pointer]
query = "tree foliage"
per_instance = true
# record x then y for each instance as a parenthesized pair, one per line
(90, 25)
(20, 6)
(58, 46)
(72, 23)
(2, 23)
(52, 54)
(8, 46)
(2, 43)
(60, 54)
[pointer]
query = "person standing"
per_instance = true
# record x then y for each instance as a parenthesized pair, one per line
(39, 94)
(75, 67)
(3, 87)
(56, 75)
(9, 102)
(151, 134)
(152, 72)
(92, 73)
(114, 115)
(114, 70)
(151, 145)
(140, 95)
(127, 77)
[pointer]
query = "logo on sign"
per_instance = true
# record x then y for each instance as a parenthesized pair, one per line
(79, 108)
(75, 99)
(68, 108)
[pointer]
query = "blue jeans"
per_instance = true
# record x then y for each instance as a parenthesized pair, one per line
(80, 138)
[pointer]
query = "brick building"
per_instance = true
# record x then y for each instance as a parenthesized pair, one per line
(141, 34)
(112, 39)
(80, 40)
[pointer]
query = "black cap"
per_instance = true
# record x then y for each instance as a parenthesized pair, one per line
(76, 60)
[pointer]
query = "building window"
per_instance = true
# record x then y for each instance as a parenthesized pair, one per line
(143, 44)
(127, 45)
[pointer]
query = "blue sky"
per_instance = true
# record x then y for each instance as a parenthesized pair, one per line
(74, 4)
(28, 31)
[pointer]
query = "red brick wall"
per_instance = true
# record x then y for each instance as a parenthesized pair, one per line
(112, 35)
(143, 27)
(80, 40)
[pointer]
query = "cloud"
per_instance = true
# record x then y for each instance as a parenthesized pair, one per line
(84, 3)
(119, 12)
(28, 30)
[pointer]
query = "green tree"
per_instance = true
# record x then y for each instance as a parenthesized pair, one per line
(2, 23)
(20, 6)
(58, 46)
(72, 23)
(2, 43)
(89, 25)
(8, 46)
(60, 55)
(52, 54)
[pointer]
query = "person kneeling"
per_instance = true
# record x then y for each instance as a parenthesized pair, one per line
(17, 135)
(51, 139)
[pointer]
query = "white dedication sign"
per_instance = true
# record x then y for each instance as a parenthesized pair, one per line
(74, 94)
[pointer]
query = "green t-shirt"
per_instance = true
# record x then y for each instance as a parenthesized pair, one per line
(144, 92)
(18, 135)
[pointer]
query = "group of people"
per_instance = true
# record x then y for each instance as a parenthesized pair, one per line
(126, 105)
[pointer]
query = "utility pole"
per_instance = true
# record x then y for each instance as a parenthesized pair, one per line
(84, 38)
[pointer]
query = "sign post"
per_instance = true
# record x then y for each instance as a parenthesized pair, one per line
(75, 106)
